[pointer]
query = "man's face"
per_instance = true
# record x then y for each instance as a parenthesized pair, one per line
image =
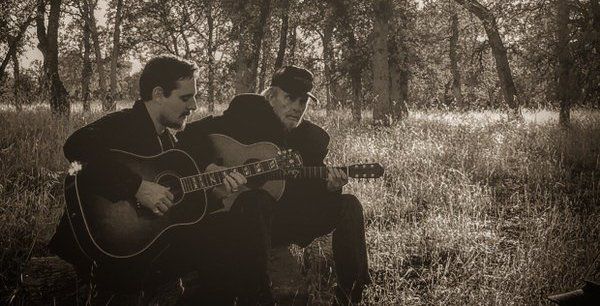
(179, 105)
(288, 108)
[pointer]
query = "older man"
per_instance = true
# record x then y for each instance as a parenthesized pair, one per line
(309, 208)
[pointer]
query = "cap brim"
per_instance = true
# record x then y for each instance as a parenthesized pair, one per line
(575, 296)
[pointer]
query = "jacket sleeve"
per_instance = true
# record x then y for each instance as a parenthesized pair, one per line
(90, 146)
(315, 142)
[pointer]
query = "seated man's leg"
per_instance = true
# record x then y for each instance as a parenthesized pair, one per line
(350, 250)
(301, 223)
(250, 237)
(232, 253)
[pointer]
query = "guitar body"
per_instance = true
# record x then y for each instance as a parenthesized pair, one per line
(229, 152)
(122, 231)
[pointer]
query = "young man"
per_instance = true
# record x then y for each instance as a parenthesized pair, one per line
(167, 98)
(308, 208)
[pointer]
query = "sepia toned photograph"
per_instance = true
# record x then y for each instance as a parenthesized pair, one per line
(299, 152)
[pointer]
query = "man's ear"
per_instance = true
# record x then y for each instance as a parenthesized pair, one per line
(271, 93)
(157, 93)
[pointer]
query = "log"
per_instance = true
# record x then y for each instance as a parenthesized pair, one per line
(50, 280)
(53, 281)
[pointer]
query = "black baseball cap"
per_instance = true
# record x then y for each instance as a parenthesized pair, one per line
(294, 80)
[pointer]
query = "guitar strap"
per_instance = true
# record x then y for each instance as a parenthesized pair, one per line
(165, 141)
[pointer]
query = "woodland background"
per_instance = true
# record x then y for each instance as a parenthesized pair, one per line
(484, 113)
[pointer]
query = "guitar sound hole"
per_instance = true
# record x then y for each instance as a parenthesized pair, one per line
(172, 182)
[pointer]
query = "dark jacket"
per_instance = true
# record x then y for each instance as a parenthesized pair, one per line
(130, 130)
(250, 119)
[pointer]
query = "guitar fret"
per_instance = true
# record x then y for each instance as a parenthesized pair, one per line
(184, 183)
(258, 168)
(194, 183)
(198, 182)
(245, 170)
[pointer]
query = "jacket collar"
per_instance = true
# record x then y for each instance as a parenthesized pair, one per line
(141, 113)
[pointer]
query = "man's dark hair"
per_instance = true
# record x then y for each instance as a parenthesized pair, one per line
(164, 71)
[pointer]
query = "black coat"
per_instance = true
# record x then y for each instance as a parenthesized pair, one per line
(129, 130)
(250, 119)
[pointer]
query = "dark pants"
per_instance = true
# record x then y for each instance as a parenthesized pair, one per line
(256, 222)
(302, 222)
(234, 265)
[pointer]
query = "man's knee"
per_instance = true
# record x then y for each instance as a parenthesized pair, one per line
(254, 202)
(351, 205)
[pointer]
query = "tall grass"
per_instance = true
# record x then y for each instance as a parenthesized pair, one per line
(473, 208)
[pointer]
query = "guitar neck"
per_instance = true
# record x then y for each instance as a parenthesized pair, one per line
(318, 172)
(211, 179)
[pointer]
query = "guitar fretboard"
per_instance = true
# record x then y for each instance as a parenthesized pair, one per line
(211, 179)
(303, 173)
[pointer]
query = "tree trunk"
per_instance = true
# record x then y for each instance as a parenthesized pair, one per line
(242, 84)
(292, 55)
(266, 51)
(399, 76)
(251, 34)
(13, 45)
(456, 84)
(110, 104)
(211, 59)
(86, 70)
(17, 82)
(327, 39)
(498, 51)
(355, 66)
(48, 45)
(285, 16)
(381, 74)
(97, 48)
(595, 8)
(565, 61)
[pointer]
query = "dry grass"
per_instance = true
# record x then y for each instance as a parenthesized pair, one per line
(473, 209)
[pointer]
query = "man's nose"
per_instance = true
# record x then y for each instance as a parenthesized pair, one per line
(297, 105)
(192, 105)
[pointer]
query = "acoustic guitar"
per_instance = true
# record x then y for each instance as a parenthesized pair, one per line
(122, 231)
(230, 152)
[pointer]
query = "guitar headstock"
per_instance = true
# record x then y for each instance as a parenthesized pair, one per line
(288, 160)
(373, 170)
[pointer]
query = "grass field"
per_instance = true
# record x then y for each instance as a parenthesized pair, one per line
(473, 208)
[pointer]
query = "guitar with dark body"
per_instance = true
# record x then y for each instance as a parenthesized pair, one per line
(122, 231)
